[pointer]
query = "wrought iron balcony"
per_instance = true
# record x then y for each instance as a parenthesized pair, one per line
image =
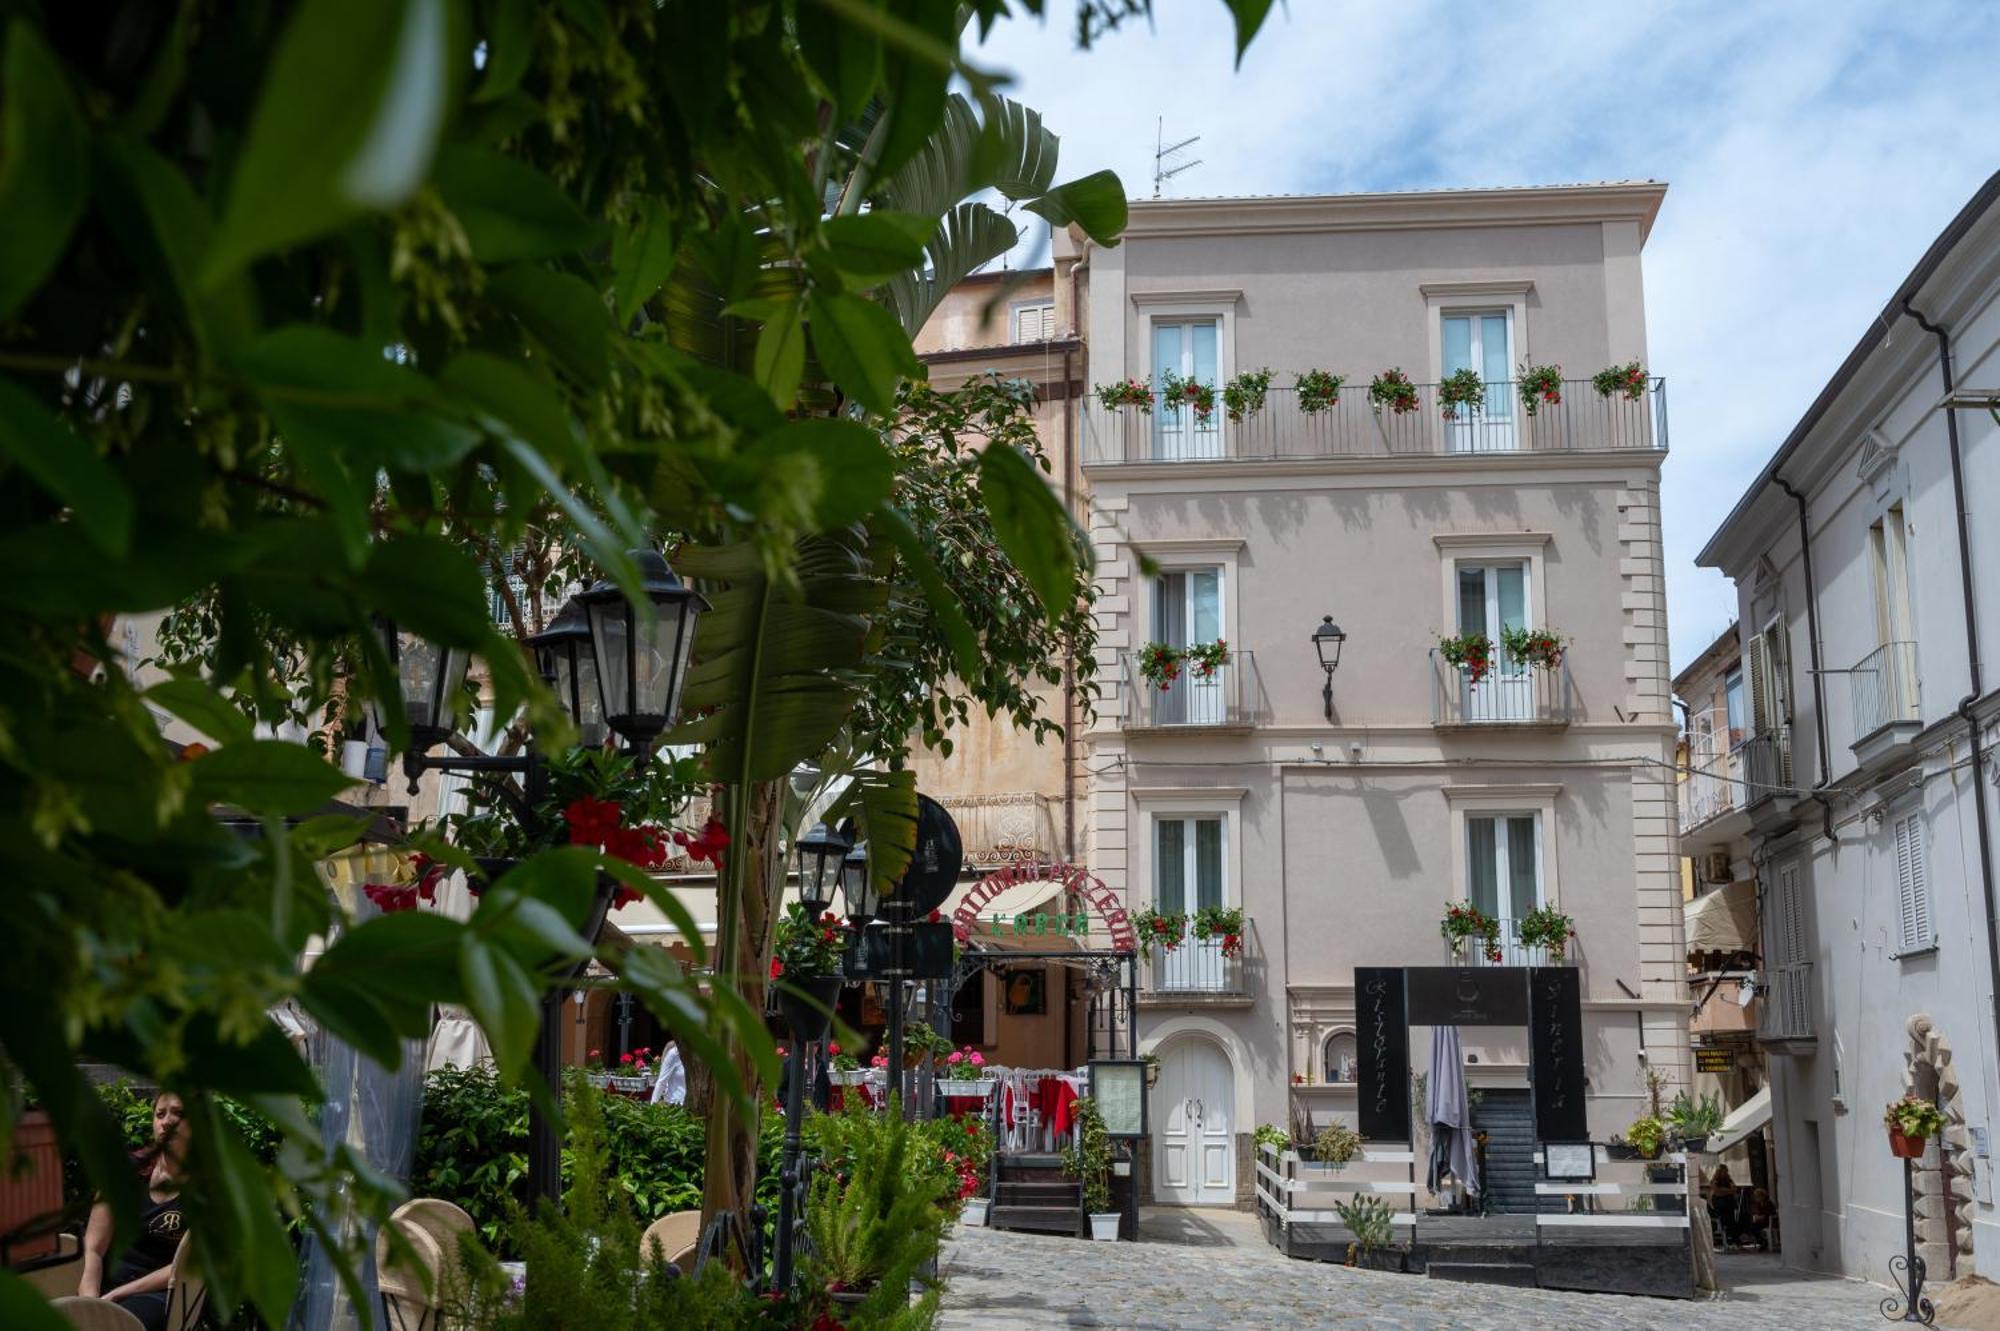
(1713, 785)
(1523, 695)
(1011, 827)
(1766, 765)
(1198, 968)
(1884, 685)
(1582, 422)
(1788, 1006)
(1513, 952)
(1222, 700)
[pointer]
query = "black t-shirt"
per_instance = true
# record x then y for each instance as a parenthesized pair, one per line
(160, 1226)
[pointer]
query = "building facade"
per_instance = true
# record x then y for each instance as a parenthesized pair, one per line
(1865, 590)
(1344, 813)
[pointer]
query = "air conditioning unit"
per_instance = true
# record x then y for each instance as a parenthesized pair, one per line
(1715, 866)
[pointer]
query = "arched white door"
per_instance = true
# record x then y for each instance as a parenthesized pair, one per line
(1194, 1147)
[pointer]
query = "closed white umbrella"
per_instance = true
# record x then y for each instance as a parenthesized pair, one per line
(1446, 1109)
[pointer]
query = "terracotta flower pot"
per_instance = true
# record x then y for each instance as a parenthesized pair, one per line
(1905, 1147)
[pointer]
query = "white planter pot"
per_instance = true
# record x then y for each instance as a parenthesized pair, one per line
(354, 758)
(847, 1076)
(1104, 1227)
(981, 1088)
(631, 1084)
(1121, 1168)
(598, 1079)
(975, 1212)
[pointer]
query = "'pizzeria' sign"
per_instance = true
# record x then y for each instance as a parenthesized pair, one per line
(1077, 881)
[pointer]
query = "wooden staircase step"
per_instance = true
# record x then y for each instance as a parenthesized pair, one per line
(1044, 1219)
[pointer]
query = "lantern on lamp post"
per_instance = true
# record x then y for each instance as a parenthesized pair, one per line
(642, 658)
(1327, 641)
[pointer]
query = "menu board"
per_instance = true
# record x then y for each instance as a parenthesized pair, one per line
(1118, 1086)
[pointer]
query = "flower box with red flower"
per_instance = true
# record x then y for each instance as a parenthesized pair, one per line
(1469, 652)
(1464, 926)
(964, 1072)
(1628, 380)
(1157, 928)
(1539, 386)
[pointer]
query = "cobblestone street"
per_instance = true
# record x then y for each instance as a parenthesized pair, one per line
(1211, 1269)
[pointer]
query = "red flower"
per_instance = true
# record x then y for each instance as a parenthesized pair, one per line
(624, 1058)
(777, 968)
(832, 1048)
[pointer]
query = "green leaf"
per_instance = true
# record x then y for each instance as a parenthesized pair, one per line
(642, 255)
(23, 1308)
(193, 701)
(510, 46)
(855, 472)
(863, 348)
(781, 354)
(266, 776)
(164, 226)
(347, 122)
(502, 998)
(917, 80)
(1095, 202)
(875, 246)
(1250, 16)
(967, 238)
(429, 586)
(67, 468)
(938, 594)
(44, 148)
(847, 59)
(884, 808)
(518, 403)
(563, 314)
(1031, 524)
(251, 1230)
(509, 210)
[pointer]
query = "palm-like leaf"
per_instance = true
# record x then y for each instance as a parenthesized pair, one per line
(970, 236)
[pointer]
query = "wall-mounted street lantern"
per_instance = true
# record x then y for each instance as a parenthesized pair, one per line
(1327, 640)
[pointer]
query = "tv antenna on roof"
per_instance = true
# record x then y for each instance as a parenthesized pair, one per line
(1164, 167)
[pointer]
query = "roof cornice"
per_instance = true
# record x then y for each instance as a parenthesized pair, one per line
(1541, 205)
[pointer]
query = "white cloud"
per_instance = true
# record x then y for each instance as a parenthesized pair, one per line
(1813, 151)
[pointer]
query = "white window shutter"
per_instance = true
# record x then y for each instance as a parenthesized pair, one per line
(1913, 892)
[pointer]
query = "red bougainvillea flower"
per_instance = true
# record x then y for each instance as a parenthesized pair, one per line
(707, 844)
(389, 898)
(592, 821)
(777, 968)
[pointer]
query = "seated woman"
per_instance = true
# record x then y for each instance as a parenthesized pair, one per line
(1723, 1204)
(138, 1279)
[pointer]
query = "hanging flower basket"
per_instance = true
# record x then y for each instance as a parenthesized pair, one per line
(1205, 658)
(1541, 648)
(1912, 1122)
(1318, 391)
(1126, 393)
(1160, 665)
(1549, 929)
(1224, 923)
(1156, 928)
(1392, 390)
(1539, 385)
(1469, 652)
(1464, 925)
(1629, 379)
(1244, 395)
(1175, 390)
(1462, 392)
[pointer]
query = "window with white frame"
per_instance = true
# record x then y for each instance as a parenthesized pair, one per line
(1503, 866)
(1913, 886)
(1186, 349)
(1188, 859)
(1187, 607)
(1035, 322)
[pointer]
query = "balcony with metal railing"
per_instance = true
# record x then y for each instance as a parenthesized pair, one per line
(1199, 970)
(1513, 952)
(1712, 786)
(1224, 698)
(1583, 421)
(1788, 1008)
(1765, 761)
(1884, 689)
(1006, 827)
(1506, 695)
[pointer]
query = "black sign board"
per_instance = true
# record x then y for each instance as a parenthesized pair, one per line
(1714, 1060)
(1555, 1053)
(1382, 1039)
(926, 956)
(933, 870)
(1468, 995)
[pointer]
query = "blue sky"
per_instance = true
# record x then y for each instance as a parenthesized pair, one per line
(1812, 152)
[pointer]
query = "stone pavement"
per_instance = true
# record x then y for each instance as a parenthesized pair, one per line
(1200, 1269)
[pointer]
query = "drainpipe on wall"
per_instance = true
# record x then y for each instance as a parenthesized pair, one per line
(1818, 674)
(1069, 644)
(1976, 680)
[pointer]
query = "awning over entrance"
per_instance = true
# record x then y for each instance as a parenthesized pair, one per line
(1741, 1121)
(1725, 920)
(1016, 899)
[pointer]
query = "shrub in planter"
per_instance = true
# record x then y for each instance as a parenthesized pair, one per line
(1460, 392)
(1126, 393)
(1273, 1136)
(1541, 648)
(1469, 652)
(1629, 379)
(1465, 925)
(1911, 1122)
(1336, 1145)
(1090, 1162)
(1539, 385)
(1158, 928)
(1243, 395)
(1548, 928)
(1318, 391)
(1646, 1136)
(1392, 390)
(1372, 1223)
(1692, 1122)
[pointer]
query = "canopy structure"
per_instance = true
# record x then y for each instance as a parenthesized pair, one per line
(1741, 1121)
(1725, 920)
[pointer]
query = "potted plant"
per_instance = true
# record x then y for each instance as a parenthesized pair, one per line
(919, 1040)
(1461, 391)
(1540, 648)
(1152, 1062)
(1221, 922)
(594, 1070)
(1629, 379)
(1158, 928)
(1090, 1162)
(353, 740)
(805, 964)
(843, 1068)
(1205, 658)
(1548, 928)
(1336, 1145)
(965, 1073)
(1645, 1137)
(878, 1208)
(1691, 1122)
(1392, 390)
(1912, 1122)
(1318, 391)
(1539, 384)
(1159, 665)
(1465, 925)
(1126, 393)
(1175, 390)
(634, 1073)
(1471, 653)
(1273, 1136)
(1243, 395)
(1372, 1223)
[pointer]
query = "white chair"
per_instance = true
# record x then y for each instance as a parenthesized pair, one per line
(444, 1221)
(96, 1315)
(185, 1291)
(672, 1238)
(407, 1274)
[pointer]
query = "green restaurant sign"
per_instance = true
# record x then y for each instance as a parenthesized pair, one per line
(1058, 925)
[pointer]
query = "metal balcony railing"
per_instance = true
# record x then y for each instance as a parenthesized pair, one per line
(1582, 422)
(1226, 698)
(1788, 1013)
(1197, 966)
(1519, 695)
(1713, 784)
(1010, 827)
(1885, 687)
(1513, 952)
(1766, 764)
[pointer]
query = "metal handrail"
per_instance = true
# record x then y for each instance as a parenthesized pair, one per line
(1884, 684)
(1582, 421)
(1191, 701)
(1198, 966)
(1524, 695)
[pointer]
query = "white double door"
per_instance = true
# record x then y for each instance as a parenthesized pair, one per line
(1194, 1148)
(1482, 343)
(1493, 598)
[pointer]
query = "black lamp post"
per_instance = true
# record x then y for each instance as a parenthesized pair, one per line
(1327, 640)
(630, 679)
(821, 854)
(863, 901)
